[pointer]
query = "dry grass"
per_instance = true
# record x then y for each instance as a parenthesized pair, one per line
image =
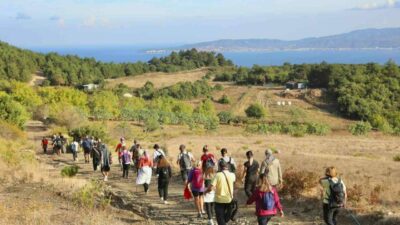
(158, 79)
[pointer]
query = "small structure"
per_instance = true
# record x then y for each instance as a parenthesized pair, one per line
(89, 87)
(295, 85)
(128, 95)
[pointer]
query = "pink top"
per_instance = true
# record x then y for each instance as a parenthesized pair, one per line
(258, 198)
(145, 161)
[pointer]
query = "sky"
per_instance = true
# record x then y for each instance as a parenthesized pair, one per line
(36, 23)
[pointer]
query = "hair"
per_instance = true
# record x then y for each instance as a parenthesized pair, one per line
(163, 162)
(182, 147)
(209, 172)
(331, 171)
(224, 151)
(123, 147)
(205, 148)
(156, 146)
(263, 183)
(249, 154)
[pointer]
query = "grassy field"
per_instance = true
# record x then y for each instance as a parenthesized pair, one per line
(158, 79)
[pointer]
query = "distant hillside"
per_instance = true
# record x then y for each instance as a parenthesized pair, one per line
(359, 39)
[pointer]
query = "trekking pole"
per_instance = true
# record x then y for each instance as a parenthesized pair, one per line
(354, 217)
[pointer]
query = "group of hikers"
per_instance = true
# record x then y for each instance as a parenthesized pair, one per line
(210, 181)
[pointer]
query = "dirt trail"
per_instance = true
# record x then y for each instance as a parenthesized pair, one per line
(128, 196)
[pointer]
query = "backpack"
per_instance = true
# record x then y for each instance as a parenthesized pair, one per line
(59, 142)
(125, 157)
(231, 166)
(163, 172)
(209, 162)
(185, 161)
(86, 144)
(337, 196)
(268, 201)
(197, 178)
(73, 147)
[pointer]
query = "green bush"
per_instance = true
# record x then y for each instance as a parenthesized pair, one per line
(360, 128)
(224, 100)
(12, 111)
(255, 111)
(318, 129)
(69, 171)
(96, 130)
(151, 124)
(295, 129)
(225, 116)
(218, 87)
(396, 158)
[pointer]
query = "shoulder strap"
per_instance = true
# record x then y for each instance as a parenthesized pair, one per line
(229, 187)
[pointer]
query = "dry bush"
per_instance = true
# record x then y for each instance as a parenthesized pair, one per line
(11, 132)
(355, 193)
(296, 182)
(375, 197)
(70, 117)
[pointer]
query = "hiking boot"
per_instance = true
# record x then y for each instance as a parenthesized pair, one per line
(162, 199)
(165, 202)
(199, 215)
(210, 222)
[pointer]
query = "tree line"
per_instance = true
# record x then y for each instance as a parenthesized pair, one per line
(70, 70)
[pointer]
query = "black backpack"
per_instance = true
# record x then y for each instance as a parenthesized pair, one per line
(337, 196)
(163, 173)
(231, 166)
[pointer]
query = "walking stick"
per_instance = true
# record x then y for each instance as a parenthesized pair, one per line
(354, 217)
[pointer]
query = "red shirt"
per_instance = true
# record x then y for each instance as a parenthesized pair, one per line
(206, 156)
(45, 142)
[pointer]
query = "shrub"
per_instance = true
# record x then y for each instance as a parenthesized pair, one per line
(255, 111)
(396, 158)
(355, 193)
(295, 129)
(218, 87)
(92, 195)
(318, 129)
(298, 181)
(104, 105)
(375, 195)
(225, 116)
(151, 124)
(69, 171)
(224, 100)
(12, 111)
(11, 132)
(360, 128)
(70, 117)
(98, 131)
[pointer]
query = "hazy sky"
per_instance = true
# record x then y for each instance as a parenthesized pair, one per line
(135, 22)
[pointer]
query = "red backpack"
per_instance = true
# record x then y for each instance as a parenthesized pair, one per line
(197, 179)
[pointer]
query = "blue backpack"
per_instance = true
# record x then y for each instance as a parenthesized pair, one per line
(268, 201)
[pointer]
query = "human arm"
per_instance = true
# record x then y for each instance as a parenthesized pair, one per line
(280, 180)
(278, 202)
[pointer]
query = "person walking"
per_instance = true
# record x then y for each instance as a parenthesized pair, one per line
(228, 159)
(118, 150)
(267, 201)
(164, 173)
(334, 195)
(126, 162)
(185, 160)
(250, 174)
(57, 145)
(157, 153)
(106, 159)
(209, 198)
(87, 148)
(96, 154)
(145, 171)
(272, 167)
(45, 143)
(207, 159)
(223, 183)
(196, 181)
(64, 143)
(75, 150)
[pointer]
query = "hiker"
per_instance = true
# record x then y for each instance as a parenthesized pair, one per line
(118, 149)
(87, 148)
(157, 152)
(250, 173)
(184, 161)
(145, 171)
(334, 195)
(45, 143)
(75, 150)
(63, 143)
(272, 167)
(267, 201)
(196, 181)
(207, 159)
(209, 198)
(227, 159)
(106, 159)
(96, 154)
(223, 184)
(136, 154)
(57, 145)
(164, 173)
(126, 158)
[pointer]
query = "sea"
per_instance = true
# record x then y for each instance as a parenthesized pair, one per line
(120, 54)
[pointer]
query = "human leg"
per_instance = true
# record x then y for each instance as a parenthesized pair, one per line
(220, 213)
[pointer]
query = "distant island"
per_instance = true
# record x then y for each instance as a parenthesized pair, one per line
(387, 38)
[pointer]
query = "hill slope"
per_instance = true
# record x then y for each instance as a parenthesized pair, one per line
(359, 39)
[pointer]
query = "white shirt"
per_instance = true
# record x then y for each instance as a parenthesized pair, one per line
(157, 153)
